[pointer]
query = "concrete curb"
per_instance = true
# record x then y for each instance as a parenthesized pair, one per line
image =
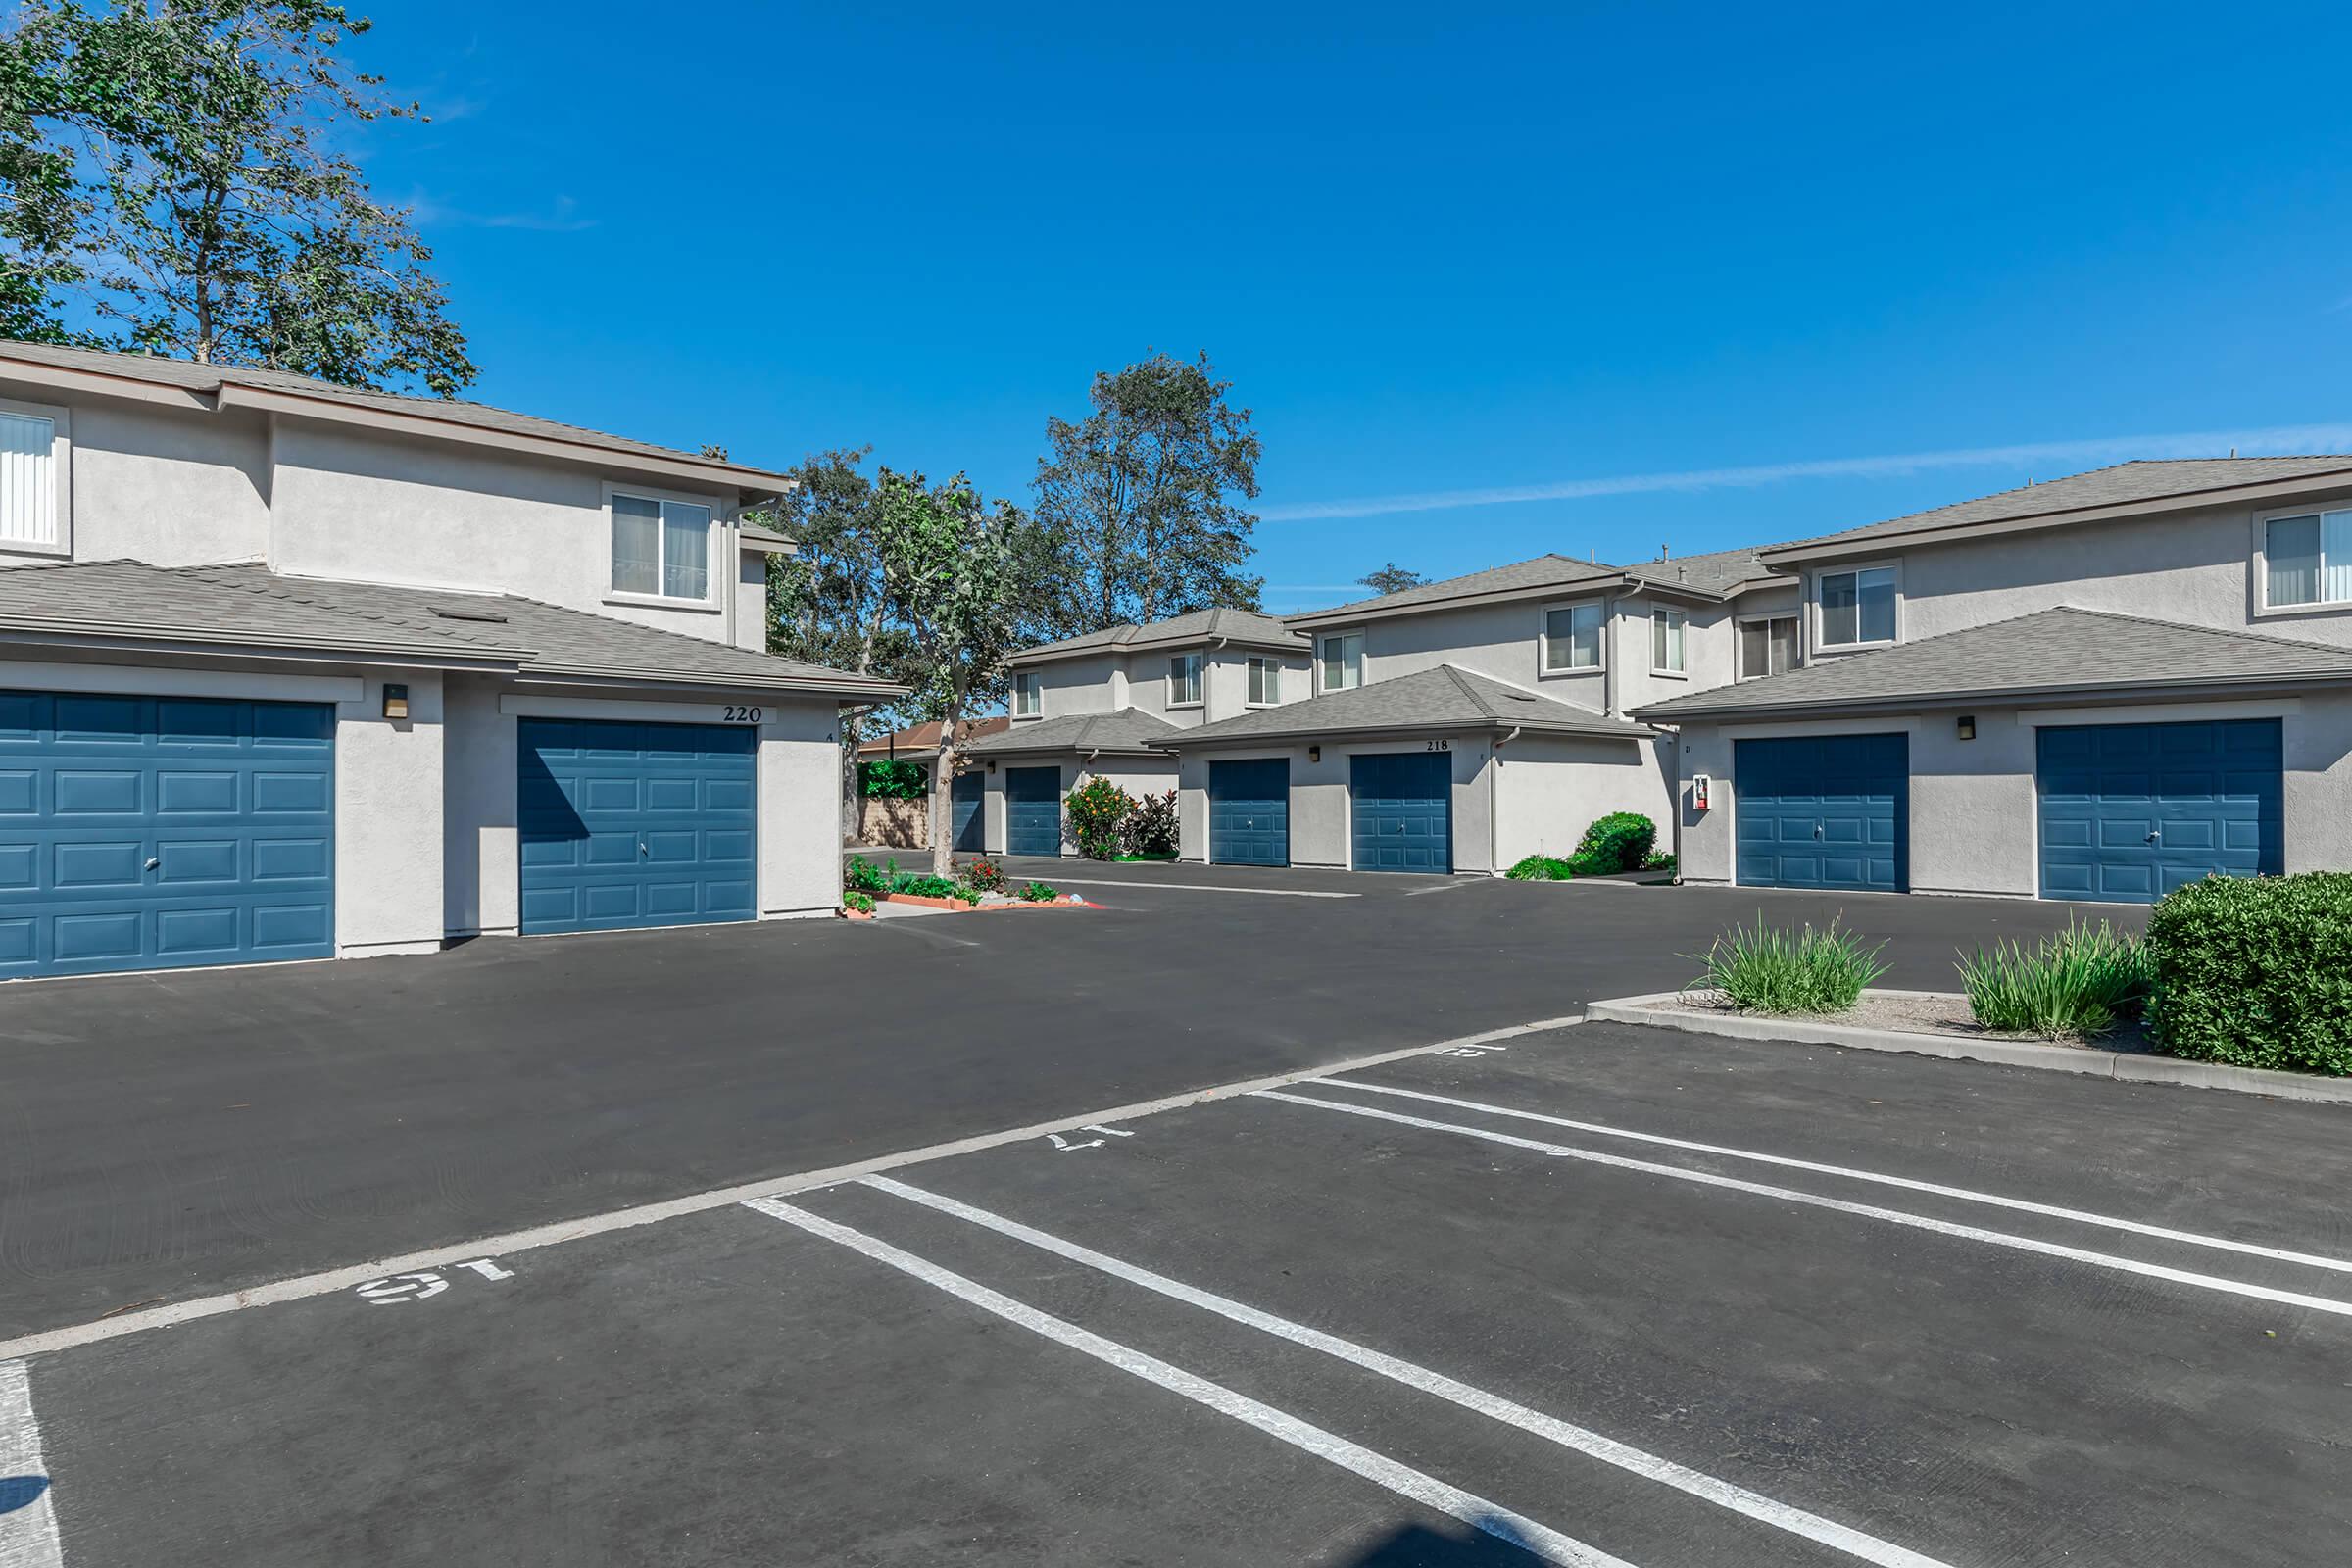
(2088, 1060)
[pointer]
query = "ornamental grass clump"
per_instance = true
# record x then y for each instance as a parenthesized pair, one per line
(1779, 970)
(2082, 981)
(1542, 868)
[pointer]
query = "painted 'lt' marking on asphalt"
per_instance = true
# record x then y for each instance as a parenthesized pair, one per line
(424, 1285)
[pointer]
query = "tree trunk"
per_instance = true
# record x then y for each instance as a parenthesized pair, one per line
(943, 791)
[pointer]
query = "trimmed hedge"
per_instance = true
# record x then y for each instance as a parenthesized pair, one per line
(883, 779)
(2256, 972)
(1618, 842)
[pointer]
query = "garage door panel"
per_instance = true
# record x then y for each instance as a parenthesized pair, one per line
(291, 859)
(103, 720)
(1821, 811)
(116, 939)
(1402, 811)
(193, 933)
(2137, 810)
(967, 791)
(181, 861)
(1250, 811)
(1033, 811)
(634, 824)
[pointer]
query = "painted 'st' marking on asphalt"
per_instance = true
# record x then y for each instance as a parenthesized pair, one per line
(1650, 1466)
(1965, 1195)
(28, 1511)
(1893, 1217)
(1471, 1509)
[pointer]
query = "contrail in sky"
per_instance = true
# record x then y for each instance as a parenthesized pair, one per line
(2114, 448)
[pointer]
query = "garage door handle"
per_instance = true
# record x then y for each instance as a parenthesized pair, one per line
(641, 848)
(153, 862)
(1817, 830)
(2154, 837)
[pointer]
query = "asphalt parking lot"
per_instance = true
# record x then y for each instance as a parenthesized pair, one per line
(1588, 1296)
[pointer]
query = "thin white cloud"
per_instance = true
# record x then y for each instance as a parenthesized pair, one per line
(562, 217)
(2089, 454)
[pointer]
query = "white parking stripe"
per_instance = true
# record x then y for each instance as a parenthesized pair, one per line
(28, 1524)
(1404, 1481)
(1812, 1527)
(2023, 1244)
(1198, 886)
(2022, 1206)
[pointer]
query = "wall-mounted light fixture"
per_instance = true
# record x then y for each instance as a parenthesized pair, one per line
(396, 701)
(1314, 754)
(992, 764)
(1968, 727)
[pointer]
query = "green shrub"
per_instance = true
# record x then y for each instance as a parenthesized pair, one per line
(2078, 982)
(1540, 868)
(933, 887)
(1151, 830)
(1775, 970)
(1660, 863)
(985, 874)
(862, 902)
(2256, 972)
(1037, 893)
(1618, 842)
(1098, 809)
(885, 779)
(865, 876)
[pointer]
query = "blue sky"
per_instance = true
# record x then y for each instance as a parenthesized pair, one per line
(1585, 258)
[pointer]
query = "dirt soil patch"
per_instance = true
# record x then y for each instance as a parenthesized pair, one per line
(1921, 1012)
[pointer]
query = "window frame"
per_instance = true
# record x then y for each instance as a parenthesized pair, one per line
(2259, 587)
(712, 602)
(1025, 686)
(1322, 640)
(1821, 575)
(60, 478)
(1797, 637)
(1197, 678)
(1600, 637)
(1269, 687)
(1681, 619)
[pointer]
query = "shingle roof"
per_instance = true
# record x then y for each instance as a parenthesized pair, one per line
(1715, 572)
(241, 605)
(212, 377)
(1447, 698)
(1543, 572)
(2147, 479)
(1245, 626)
(2051, 651)
(1127, 729)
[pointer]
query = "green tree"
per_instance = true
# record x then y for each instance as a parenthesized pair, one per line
(1392, 579)
(42, 210)
(951, 565)
(214, 218)
(1145, 500)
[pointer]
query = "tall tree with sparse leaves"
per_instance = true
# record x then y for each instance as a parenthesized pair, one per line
(214, 216)
(1392, 579)
(951, 565)
(1146, 498)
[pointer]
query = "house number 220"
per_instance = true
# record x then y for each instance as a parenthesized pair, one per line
(741, 716)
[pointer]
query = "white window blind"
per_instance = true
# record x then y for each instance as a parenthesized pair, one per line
(660, 548)
(28, 481)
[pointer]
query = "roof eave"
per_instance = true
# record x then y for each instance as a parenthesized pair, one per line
(1449, 727)
(2014, 695)
(1369, 610)
(180, 640)
(847, 690)
(1837, 547)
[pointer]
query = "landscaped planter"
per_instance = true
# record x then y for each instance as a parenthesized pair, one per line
(1699, 1014)
(958, 907)
(949, 905)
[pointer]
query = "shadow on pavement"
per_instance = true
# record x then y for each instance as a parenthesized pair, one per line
(1417, 1547)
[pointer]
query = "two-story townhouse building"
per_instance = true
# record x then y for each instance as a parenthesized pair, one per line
(1462, 725)
(2099, 687)
(293, 671)
(1093, 706)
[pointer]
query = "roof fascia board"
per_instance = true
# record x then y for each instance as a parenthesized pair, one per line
(116, 640)
(2116, 691)
(1335, 734)
(1573, 588)
(1796, 554)
(847, 690)
(745, 484)
(92, 383)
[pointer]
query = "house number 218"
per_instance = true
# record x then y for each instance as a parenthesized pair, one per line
(741, 716)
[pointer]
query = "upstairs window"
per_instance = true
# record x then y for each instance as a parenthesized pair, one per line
(1666, 628)
(1343, 659)
(1767, 647)
(2307, 560)
(1028, 700)
(1571, 638)
(661, 548)
(1265, 683)
(1857, 608)
(28, 510)
(1184, 680)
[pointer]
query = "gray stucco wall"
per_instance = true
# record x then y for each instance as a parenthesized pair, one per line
(1974, 802)
(1549, 790)
(170, 486)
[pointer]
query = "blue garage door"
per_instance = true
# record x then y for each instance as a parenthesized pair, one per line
(1403, 811)
(1824, 812)
(627, 825)
(1033, 811)
(1250, 812)
(967, 792)
(2130, 812)
(159, 832)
